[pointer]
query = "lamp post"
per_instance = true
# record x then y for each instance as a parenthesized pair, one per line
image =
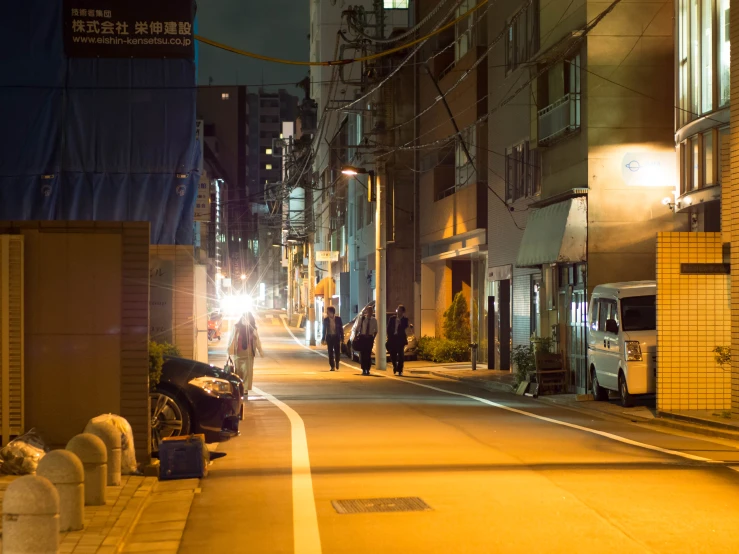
(376, 193)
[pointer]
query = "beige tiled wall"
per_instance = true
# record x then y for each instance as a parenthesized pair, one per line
(693, 317)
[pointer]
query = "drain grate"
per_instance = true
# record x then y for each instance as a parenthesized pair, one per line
(373, 505)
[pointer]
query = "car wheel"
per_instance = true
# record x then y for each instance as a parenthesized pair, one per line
(349, 351)
(169, 417)
(599, 393)
(623, 390)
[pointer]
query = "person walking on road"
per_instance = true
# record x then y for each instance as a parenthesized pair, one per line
(333, 336)
(365, 339)
(243, 347)
(397, 339)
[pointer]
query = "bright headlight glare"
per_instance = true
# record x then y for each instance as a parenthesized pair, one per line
(633, 351)
(212, 384)
(236, 305)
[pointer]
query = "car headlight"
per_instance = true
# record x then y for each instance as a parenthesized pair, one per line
(633, 351)
(212, 385)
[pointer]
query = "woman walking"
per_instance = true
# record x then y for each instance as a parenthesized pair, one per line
(243, 347)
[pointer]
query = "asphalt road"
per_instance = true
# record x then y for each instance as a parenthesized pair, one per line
(500, 473)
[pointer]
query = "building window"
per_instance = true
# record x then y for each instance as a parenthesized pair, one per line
(703, 57)
(709, 171)
(723, 53)
(707, 56)
(396, 4)
(522, 39)
(224, 96)
(463, 31)
(268, 166)
(523, 172)
(704, 158)
(464, 167)
(268, 151)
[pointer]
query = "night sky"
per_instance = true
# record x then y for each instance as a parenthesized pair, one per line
(272, 27)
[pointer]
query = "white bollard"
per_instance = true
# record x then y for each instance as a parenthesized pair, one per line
(94, 457)
(112, 438)
(31, 517)
(64, 469)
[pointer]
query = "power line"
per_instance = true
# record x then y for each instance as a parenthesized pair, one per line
(339, 62)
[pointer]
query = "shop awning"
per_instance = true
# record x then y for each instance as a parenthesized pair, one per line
(325, 287)
(555, 234)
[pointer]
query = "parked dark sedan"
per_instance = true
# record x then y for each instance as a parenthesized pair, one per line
(193, 397)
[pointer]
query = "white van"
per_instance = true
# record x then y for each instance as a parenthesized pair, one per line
(622, 340)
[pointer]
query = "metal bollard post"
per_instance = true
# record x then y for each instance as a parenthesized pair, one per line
(64, 470)
(31, 517)
(94, 457)
(112, 438)
(473, 355)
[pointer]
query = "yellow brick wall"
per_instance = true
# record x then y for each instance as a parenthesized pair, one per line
(693, 317)
(730, 205)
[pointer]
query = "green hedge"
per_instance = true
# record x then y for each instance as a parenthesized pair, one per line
(440, 350)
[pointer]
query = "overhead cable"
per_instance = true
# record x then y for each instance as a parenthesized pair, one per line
(368, 58)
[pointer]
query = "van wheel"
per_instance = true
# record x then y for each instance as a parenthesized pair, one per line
(599, 393)
(623, 391)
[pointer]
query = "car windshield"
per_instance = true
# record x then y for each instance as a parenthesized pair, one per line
(639, 313)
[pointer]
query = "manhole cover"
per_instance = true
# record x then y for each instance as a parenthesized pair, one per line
(370, 505)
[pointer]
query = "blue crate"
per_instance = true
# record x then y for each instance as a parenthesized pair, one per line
(181, 458)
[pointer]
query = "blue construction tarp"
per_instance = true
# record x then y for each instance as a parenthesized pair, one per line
(107, 139)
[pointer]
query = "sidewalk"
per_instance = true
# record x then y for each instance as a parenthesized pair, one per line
(141, 515)
(706, 422)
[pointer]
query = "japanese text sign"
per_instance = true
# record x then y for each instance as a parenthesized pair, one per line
(129, 29)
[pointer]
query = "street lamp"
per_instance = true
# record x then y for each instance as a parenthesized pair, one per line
(375, 193)
(354, 171)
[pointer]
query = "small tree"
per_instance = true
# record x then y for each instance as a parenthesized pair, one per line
(157, 351)
(457, 319)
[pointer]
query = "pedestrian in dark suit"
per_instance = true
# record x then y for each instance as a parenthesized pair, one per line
(397, 339)
(333, 336)
(366, 331)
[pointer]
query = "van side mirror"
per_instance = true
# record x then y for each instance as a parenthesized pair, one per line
(612, 326)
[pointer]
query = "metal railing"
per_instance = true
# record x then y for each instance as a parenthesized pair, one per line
(559, 119)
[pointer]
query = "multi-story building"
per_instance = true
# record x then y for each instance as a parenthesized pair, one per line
(601, 146)
(223, 110)
(514, 177)
(342, 218)
(453, 182)
(240, 132)
(268, 113)
(698, 270)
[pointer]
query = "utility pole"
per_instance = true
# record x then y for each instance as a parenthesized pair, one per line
(380, 273)
(311, 292)
(289, 284)
(380, 232)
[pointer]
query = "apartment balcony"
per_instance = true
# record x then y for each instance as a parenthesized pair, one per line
(560, 119)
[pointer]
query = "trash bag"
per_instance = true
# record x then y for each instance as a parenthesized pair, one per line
(22, 455)
(128, 452)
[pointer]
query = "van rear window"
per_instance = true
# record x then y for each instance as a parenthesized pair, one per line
(639, 313)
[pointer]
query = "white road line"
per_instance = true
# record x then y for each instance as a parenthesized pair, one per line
(603, 434)
(306, 537)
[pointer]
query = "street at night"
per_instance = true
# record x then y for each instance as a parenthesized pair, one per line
(363, 276)
(499, 472)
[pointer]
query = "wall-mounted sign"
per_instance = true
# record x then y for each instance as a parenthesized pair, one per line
(705, 269)
(327, 255)
(161, 285)
(129, 29)
(649, 169)
(202, 202)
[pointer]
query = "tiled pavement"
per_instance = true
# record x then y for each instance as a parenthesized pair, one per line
(141, 515)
